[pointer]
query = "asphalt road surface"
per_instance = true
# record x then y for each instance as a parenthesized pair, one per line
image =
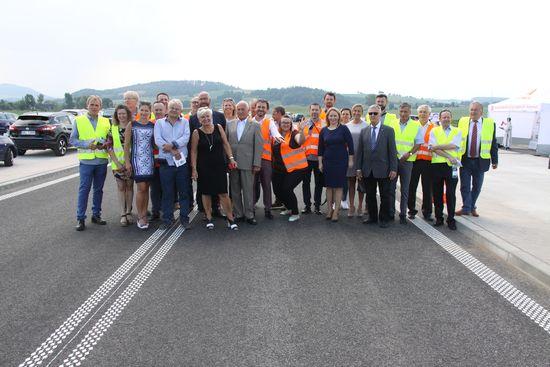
(310, 293)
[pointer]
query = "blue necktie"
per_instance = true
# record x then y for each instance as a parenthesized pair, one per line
(373, 138)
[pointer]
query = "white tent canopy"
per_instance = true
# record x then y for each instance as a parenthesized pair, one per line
(530, 116)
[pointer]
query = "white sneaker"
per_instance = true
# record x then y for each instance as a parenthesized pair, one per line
(345, 204)
(286, 212)
(294, 217)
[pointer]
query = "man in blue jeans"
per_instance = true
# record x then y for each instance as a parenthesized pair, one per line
(172, 134)
(479, 151)
(89, 135)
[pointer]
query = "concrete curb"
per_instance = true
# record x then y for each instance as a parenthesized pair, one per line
(510, 253)
(15, 183)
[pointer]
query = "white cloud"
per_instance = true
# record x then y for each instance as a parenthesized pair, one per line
(424, 48)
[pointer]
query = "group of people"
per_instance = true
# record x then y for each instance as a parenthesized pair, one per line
(241, 153)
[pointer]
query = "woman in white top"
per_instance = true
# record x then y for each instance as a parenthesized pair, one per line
(355, 126)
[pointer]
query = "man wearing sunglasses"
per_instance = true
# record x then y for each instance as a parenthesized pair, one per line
(376, 163)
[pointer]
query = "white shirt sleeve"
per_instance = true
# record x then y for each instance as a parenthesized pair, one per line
(457, 140)
(274, 130)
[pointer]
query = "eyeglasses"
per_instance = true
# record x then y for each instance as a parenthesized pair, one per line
(228, 100)
(373, 113)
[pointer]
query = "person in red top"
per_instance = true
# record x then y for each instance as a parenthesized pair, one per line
(421, 168)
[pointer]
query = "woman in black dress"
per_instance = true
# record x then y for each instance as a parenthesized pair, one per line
(209, 168)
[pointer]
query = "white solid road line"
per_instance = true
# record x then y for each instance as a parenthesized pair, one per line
(31, 177)
(538, 314)
(71, 323)
(37, 187)
(86, 345)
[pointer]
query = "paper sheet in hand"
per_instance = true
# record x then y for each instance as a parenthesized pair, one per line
(181, 161)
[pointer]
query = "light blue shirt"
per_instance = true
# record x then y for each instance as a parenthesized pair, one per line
(177, 134)
(241, 124)
(457, 140)
(76, 142)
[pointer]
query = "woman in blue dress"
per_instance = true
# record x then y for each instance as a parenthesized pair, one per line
(138, 155)
(335, 157)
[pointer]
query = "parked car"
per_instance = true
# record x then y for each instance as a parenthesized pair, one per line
(42, 130)
(6, 119)
(77, 112)
(108, 113)
(8, 150)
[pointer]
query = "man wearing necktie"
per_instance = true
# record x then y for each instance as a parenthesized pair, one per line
(479, 150)
(376, 163)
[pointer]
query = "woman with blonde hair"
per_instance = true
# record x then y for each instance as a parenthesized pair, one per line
(335, 157)
(229, 109)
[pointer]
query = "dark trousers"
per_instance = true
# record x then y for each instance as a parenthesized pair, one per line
(384, 189)
(178, 176)
(471, 180)
(313, 166)
(284, 185)
(156, 192)
(442, 175)
(421, 170)
(263, 179)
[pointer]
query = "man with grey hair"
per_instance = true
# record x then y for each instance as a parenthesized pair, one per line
(376, 163)
(479, 151)
(243, 134)
(131, 100)
(217, 118)
(89, 135)
(172, 135)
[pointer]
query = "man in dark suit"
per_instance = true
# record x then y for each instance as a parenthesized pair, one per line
(479, 151)
(376, 163)
(217, 118)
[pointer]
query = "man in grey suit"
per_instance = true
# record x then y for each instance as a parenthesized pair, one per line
(376, 163)
(246, 142)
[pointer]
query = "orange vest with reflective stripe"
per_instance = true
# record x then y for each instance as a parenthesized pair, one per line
(294, 159)
(266, 136)
(311, 144)
(423, 153)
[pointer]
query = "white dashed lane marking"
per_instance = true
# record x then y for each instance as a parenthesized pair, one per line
(63, 331)
(529, 307)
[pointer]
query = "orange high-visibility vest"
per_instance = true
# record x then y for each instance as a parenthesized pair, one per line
(294, 159)
(311, 144)
(423, 153)
(266, 136)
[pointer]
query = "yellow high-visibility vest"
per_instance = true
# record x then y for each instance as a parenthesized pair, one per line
(118, 149)
(442, 139)
(404, 140)
(487, 132)
(86, 132)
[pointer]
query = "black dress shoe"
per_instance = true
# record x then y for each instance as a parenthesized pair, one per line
(80, 226)
(411, 216)
(438, 223)
(268, 215)
(452, 226)
(402, 219)
(240, 219)
(318, 210)
(306, 210)
(370, 221)
(154, 217)
(384, 224)
(98, 220)
(251, 221)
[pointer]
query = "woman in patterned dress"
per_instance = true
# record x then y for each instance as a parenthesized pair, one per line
(139, 161)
